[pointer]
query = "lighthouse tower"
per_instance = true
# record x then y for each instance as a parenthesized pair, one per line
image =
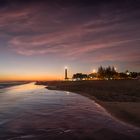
(66, 73)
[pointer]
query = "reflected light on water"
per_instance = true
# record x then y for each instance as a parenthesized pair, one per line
(24, 109)
(68, 93)
(25, 87)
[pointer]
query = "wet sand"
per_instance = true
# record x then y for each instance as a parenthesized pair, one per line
(121, 98)
(32, 112)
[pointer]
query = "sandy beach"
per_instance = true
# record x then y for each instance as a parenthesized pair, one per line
(120, 98)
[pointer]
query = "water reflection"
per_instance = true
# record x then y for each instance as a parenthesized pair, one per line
(68, 93)
(24, 88)
(32, 112)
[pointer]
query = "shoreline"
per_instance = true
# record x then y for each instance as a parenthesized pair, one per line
(4, 85)
(106, 106)
(125, 109)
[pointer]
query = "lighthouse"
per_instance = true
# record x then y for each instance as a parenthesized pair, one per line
(66, 73)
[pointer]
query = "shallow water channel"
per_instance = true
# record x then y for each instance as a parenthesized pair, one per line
(32, 112)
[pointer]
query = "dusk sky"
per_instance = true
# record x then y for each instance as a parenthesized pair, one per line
(39, 38)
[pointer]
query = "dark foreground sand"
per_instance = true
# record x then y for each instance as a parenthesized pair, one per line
(121, 97)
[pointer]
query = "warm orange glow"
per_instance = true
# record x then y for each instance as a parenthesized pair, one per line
(25, 87)
(29, 78)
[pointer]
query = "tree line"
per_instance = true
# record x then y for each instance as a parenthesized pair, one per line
(106, 73)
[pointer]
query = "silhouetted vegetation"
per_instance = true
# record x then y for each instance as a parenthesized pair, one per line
(80, 76)
(106, 73)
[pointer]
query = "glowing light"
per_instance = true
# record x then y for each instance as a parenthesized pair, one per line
(67, 92)
(128, 73)
(94, 71)
(24, 88)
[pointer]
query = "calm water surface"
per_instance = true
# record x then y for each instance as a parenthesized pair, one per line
(32, 112)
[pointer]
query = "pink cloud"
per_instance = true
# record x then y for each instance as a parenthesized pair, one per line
(72, 33)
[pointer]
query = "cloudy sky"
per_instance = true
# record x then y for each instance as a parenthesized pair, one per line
(39, 38)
